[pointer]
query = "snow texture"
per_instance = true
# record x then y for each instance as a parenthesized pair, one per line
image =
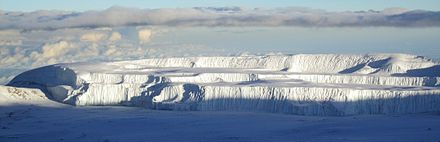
(25, 111)
(12, 96)
(305, 84)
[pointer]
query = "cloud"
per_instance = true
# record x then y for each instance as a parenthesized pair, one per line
(94, 36)
(5, 79)
(44, 47)
(10, 38)
(58, 49)
(224, 16)
(144, 35)
(6, 42)
(115, 36)
(7, 74)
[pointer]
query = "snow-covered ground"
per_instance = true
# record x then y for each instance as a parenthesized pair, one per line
(306, 84)
(31, 117)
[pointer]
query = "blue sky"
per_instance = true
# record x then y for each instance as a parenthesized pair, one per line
(336, 5)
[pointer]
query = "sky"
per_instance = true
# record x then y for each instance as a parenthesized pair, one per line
(335, 5)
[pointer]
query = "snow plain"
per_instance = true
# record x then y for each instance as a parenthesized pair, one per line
(305, 84)
(26, 115)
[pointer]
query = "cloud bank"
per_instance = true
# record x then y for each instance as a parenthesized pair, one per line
(43, 47)
(224, 16)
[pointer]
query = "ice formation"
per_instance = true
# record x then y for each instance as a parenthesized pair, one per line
(306, 84)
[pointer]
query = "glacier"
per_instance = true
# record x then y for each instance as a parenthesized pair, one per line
(304, 84)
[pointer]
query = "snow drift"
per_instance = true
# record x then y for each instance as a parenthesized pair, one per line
(17, 96)
(315, 84)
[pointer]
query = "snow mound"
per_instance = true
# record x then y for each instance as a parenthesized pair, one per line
(13, 96)
(306, 84)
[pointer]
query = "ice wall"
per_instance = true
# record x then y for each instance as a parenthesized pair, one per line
(310, 63)
(317, 101)
(317, 84)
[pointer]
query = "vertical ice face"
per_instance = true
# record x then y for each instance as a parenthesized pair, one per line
(117, 92)
(318, 84)
(215, 77)
(317, 101)
(366, 79)
(47, 76)
(303, 63)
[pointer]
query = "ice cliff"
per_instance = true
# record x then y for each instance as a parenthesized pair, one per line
(306, 84)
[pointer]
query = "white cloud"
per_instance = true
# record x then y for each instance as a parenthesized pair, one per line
(5, 79)
(10, 38)
(58, 49)
(44, 47)
(9, 33)
(115, 36)
(395, 10)
(226, 16)
(94, 36)
(145, 35)
(10, 42)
